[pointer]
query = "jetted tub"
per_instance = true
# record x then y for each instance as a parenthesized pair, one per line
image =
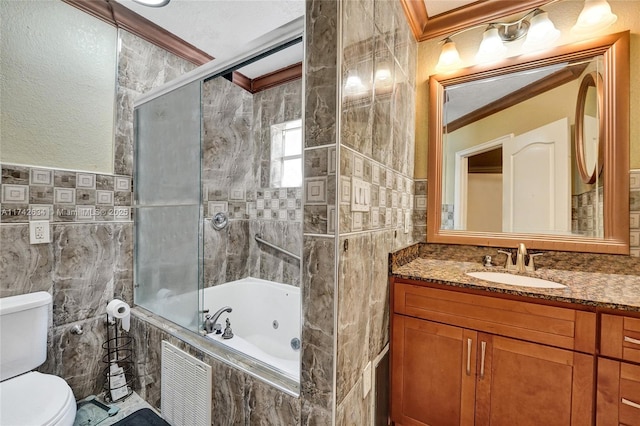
(265, 320)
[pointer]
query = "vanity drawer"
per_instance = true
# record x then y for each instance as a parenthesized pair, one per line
(555, 326)
(620, 337)
(618, 396)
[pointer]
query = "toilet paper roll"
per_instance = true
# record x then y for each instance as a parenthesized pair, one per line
(120, 310)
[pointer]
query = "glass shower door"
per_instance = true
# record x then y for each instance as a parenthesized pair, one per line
(168, 205)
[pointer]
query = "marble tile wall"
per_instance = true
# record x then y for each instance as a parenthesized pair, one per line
(376, 147)
(318, 284)
(233, 253)
(142, 66)
(84, 267)
(87, 263)
(237, 398)
(235, 179)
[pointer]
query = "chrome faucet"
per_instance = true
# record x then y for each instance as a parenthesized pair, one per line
(214, 319)
(522, 256)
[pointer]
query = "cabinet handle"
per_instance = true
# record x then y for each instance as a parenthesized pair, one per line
(630, 403)
(469, 342)
(631, 340)
(483, 346)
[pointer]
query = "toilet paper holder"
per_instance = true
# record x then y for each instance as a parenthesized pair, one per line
(118, 373)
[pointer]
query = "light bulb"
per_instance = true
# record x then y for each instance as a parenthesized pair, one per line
(449, 57)
(542, 33)
(595, 16)
(152, 3)
(491, 48)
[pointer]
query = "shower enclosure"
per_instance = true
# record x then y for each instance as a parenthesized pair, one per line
(168, 214)
(218, 200)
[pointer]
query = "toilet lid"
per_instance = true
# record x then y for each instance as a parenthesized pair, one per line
(34, 399)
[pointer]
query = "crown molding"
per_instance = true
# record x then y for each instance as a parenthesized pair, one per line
(425, 27)
(119, 16)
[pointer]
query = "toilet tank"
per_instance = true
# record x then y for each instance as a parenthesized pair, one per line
(24, 320)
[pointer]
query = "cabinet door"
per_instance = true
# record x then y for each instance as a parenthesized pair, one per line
(527, 384)
(433, 373)
(618, 393)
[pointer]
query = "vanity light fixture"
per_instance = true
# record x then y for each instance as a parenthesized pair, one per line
(542, 33)
(535, 25)
(491, 47)
(596, 15)
(449, 57)
(152, 3)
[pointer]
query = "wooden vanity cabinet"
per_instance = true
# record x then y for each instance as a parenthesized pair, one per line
(618, 396)
(466, 359)
(432, 379)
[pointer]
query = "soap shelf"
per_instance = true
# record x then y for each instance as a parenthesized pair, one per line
(119, 371)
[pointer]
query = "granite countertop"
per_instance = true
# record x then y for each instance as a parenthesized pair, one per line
(614, 289)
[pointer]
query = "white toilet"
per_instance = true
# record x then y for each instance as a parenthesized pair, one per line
(29, 398)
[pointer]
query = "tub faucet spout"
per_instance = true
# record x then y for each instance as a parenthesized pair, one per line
(214, 318)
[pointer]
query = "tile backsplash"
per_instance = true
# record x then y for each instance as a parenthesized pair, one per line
(30, 193)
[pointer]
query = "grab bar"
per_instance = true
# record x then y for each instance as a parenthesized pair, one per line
(259, 239)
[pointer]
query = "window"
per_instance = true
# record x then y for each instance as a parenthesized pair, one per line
(286, 154)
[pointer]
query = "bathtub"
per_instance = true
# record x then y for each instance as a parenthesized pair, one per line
(265, 320)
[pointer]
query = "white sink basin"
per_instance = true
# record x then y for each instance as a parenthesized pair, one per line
(511, 279)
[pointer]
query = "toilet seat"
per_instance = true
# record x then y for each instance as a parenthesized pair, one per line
(36, 399)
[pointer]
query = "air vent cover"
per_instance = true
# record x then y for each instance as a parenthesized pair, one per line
(186, 388)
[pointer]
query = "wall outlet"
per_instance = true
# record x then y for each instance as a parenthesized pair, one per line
(366, 380)
(39, 232)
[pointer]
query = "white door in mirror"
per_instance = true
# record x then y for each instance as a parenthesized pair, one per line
(536, 176)
(517, 280)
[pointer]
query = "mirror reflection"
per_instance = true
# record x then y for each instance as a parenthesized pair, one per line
(490, 153)
(589, 129)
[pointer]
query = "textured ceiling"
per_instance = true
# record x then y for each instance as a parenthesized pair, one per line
(226, 28)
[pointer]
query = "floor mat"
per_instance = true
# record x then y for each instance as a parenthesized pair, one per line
(143, 417)
(92, 412)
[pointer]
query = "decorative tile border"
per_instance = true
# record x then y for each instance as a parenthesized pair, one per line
(30, 193)
(279, 204)
(391, 195)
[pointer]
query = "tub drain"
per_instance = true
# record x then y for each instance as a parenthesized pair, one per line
(295, 343)
(275, 324)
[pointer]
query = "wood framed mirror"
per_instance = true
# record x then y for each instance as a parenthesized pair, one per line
(589, 132)
(609, 57)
